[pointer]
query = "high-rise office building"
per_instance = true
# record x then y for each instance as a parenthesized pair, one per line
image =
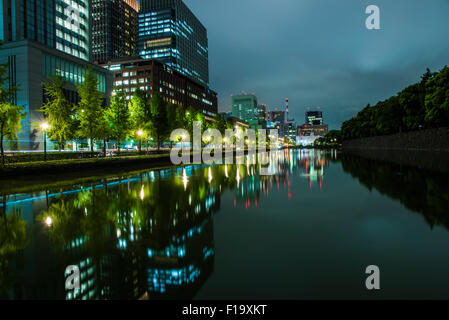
(314, 118)
(276, 116)
(262, 115)
(169, 32)
(244, 107)
(114, 29)
(314, 125)
(60, 24)
(153, 76)
(43, 38)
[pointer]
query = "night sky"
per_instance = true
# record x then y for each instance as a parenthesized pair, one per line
(319, 52)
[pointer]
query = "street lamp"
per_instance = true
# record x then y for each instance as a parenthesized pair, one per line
(183, 137)
(140, 133)
(49, 221)
(45, 126)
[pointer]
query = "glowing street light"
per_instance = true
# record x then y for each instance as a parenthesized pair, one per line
(45, 126)
(48, 221)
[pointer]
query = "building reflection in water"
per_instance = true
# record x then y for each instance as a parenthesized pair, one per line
(284, 166)
(149, 234)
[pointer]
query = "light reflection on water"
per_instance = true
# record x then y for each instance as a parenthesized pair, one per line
(159, 232)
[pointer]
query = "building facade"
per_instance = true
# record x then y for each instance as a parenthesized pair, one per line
(153, 76)
(313, 130)
(169, 32)
(314, 118)
(60, 24)
(276, 116)
(31, 64)
(262, 115)
(244, 107)
(114, 29)
(289, 130)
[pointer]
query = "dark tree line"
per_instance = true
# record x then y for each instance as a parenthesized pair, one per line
(421, 105)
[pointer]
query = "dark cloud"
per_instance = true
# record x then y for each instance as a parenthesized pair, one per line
(319, 53)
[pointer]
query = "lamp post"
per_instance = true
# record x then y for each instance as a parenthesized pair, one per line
(140, 133)
(44, 127)
(182, 141)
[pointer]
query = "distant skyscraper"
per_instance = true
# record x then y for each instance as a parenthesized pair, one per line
(314, 118)
(262, 115)
(169, 32)
(276, 116)
(114, 29)
(244, 107)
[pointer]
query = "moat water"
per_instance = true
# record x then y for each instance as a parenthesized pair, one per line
(308, 231)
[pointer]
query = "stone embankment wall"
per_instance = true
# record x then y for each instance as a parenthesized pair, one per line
(423, 140)
(428, 149)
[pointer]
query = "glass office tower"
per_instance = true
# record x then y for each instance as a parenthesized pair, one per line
(44, 38)
(170, 32)
(72, 27)
(114, 29)
(60, 24)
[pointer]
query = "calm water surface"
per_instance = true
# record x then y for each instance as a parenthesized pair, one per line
(227, 232)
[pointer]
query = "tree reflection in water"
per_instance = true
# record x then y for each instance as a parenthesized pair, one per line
(422, 191)
(153, 233)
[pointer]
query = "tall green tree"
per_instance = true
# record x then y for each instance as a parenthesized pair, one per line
(437, 99)
(220, 124)
(117, 117)
(389, 117)
(140, 116)
(139, 110)
(89, 110)
(11, 116)
(412, 101)
(190, 115)
(173, 118)
(58, 110)
(159, 124)
(180, 118)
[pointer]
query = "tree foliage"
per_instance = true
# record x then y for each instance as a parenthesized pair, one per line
(117, 117)
(159, 125)
(220, 124)
(89, 110)
(11, 115)
(421, 105)
(58, 111)
(139, 111)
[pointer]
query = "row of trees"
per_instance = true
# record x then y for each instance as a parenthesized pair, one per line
(422, 105)
(331, 139)
(142, 118)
